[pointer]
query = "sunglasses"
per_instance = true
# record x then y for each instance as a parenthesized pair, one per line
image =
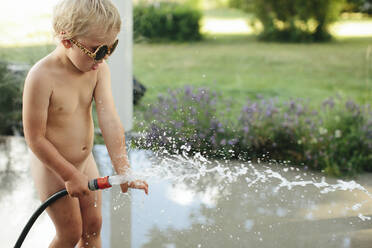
(100, 52)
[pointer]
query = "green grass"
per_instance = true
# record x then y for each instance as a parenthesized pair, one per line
(238, 66)
(223, 13)
(25, 54)
(241, 67)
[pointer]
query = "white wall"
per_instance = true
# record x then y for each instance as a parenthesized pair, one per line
(121, 66)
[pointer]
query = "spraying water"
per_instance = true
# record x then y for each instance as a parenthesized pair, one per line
(192, 170)
(242, 204)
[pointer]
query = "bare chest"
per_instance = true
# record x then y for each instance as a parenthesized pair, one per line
(72, 95)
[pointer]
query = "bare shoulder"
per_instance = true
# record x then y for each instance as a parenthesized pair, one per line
(103, 72)
(38, 87)
(103, 80)
(40, 74)
(102, 92)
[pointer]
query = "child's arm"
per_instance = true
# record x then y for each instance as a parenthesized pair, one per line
(36, 97)
(112, 128)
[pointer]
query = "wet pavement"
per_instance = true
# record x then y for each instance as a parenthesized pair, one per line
(197, 203)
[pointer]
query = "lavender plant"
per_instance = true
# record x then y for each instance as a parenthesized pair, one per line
(336, 138)
(268, 127)
(187, 118)
(343, 140)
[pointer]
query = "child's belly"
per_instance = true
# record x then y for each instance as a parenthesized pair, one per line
(72, 136)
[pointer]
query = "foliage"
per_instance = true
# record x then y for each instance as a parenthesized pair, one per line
(242, 4)
(166, 21)
(364, 6)
(187, 119)
(337, 138)
(293, 20)
(193, 3)
(10, 101)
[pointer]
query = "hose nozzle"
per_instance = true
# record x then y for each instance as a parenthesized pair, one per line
(99, 183)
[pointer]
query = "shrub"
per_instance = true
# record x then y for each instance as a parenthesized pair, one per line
(337, 138)
(10, 101)
(241, 4)
(344, 138)
(166, 21)
(187, 118)
(294, 20)
(364, 6)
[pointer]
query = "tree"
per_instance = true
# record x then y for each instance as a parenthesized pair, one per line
(294, 20)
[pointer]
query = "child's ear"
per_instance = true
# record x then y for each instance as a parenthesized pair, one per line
(66, 43)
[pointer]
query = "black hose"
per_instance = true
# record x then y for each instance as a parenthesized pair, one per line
(37, 213)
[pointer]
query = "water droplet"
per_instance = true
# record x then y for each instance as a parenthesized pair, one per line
(95, 199)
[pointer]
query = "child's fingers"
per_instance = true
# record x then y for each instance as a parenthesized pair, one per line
(124, 187)
(145, 188)
(139, 185)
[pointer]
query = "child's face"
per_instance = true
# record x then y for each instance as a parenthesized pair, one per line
(83, 61)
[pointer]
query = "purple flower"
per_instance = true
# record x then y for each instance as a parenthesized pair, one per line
(329, 102)
(155, 111)
(213, 140)
(188, 90)
(178, 124)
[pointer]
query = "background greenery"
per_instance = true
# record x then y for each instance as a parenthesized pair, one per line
(166, 21)
(10, 101)
(250, 68)
(238, 67)
(335, 137)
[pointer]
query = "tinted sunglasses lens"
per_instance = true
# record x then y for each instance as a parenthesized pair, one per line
(101, 53)
(112, 49)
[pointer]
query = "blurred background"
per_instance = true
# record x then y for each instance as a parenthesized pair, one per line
(311, 52)
(260, 82)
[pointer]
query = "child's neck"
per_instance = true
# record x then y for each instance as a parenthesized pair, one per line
(65, 61)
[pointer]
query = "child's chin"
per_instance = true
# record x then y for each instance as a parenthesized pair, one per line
(86, 69)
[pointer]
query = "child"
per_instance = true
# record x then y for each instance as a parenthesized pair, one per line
(57, 118)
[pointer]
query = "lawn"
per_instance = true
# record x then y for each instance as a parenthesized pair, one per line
(233, 63)
(238, 66)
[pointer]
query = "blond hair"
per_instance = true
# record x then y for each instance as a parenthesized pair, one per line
(73, 18)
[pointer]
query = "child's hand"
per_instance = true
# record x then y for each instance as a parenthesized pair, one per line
(137, 184)
(77, 185)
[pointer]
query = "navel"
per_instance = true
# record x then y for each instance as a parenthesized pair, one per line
(84, 148)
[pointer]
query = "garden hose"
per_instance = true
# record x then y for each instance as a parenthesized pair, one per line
(95, 184)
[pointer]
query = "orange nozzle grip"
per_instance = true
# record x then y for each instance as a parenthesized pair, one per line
(103, 182)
